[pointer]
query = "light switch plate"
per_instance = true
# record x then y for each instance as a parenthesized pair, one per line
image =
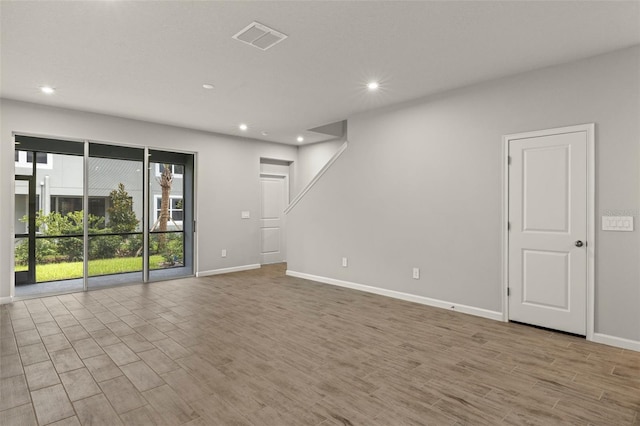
(416, 273)
(617, 223)
(245, 214)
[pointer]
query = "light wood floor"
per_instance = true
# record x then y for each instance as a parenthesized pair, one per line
(259, 348)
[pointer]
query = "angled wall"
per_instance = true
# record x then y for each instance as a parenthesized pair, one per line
(312, 158)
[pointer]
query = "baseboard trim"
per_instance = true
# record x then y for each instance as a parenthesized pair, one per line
(4, 300)
(618, 342)
(228, 270)
(479, 312)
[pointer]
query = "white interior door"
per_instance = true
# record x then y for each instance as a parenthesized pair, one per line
(274, 196)
(548, 229)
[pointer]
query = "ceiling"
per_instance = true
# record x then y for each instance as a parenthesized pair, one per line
(148, 60)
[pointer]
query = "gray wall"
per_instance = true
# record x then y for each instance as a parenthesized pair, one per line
(227, 180)
(420, 185)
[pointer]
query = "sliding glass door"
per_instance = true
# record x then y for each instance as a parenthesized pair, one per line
(116, 192)
(92, 215)
(170, 214)
(48, 251)
(59, 220)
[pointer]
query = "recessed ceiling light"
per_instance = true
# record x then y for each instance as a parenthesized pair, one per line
(47, 89)
(208, 86)
(243, 127)
(373, 85)
(300, 139)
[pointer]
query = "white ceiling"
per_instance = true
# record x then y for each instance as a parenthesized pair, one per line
(148, 60)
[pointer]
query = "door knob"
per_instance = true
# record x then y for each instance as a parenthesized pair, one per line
(579, 243)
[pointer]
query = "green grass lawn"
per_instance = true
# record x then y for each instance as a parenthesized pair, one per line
(69, 270)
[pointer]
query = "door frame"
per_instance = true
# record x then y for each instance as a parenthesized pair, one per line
(285, 183)
(589, 128)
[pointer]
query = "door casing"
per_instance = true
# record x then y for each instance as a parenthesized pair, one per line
(591, 215)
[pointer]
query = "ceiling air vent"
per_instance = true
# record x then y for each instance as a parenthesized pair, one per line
(260, 36)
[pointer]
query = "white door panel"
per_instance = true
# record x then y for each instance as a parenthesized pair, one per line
(545, 279)
(270, 240)
(545, 185)
(273, 203)
(547, 216)
(271, 198)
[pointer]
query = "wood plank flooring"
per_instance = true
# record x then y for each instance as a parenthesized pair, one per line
(260, 348)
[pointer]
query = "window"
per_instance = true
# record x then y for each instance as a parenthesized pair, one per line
(175, 210)
(98, 206)
(64, 205)
(25, 159)
(177, 170)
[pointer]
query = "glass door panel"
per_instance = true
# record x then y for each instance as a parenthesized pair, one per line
(170, 216)
(115, 221)
(54, 232)
(59, 225)
(24, 257)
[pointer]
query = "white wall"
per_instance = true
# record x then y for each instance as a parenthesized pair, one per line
(228, 174)
(312, 158)
(420, 185)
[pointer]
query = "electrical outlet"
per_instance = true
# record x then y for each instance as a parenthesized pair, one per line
(345, 263)
(224, 252)
(416, 273)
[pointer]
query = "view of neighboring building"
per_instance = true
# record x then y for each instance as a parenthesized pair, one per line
(59, 183)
